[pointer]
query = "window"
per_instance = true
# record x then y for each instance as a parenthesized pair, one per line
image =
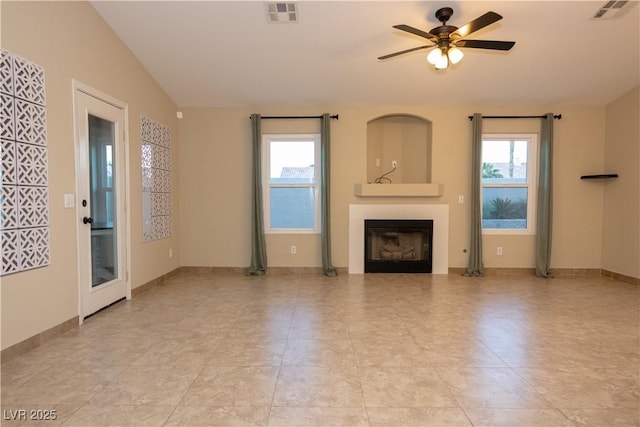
(508, 183)
(291, 183)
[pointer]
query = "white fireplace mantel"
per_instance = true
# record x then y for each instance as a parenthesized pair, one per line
(438, 213)
(398, 190)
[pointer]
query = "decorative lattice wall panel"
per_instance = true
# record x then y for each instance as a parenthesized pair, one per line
(24, 195)
(157, 220)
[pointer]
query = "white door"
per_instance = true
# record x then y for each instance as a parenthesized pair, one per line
(100, 176)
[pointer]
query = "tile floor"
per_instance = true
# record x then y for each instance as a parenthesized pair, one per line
(362, 350)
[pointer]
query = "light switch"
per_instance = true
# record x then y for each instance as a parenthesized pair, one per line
(461, 199)
(69, 200)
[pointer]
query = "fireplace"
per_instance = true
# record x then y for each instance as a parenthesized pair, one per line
(398, 245)
(360, 212)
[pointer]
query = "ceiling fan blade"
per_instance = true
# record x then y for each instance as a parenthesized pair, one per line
(475, 25)
(417, 32)
(391, 55)
(485, 44)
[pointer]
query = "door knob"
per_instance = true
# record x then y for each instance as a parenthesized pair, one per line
(87, 220)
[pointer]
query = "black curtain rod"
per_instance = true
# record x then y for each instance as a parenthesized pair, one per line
(335, 117)
(555, 116)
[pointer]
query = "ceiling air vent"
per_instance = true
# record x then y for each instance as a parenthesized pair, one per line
(282, 12)
(614, 9)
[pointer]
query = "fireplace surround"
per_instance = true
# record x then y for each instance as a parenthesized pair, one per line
(439, 213)
(398, 245)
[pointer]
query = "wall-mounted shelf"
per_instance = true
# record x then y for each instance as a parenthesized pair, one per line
(600, 176)
(398, 190)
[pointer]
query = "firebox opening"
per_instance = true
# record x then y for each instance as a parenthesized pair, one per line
(398, 246)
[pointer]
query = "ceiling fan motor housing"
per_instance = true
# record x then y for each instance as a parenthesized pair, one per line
(443, 31)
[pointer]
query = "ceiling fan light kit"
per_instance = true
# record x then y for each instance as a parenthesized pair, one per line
(455, 55)
(436, 56)
(442, 57)
(448, 39)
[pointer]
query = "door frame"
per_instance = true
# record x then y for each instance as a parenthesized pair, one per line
(76, 88)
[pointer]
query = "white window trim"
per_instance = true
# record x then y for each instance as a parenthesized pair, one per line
(266, 185)
(532, 182)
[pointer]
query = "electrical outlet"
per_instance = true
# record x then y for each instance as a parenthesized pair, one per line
(499, 250)
(394, 163)
(170, 253)
(293, 249)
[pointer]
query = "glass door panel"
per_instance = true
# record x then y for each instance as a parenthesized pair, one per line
(102, 169)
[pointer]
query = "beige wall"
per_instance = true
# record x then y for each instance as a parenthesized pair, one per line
(215, 158)
(70, 41)
(621, 226)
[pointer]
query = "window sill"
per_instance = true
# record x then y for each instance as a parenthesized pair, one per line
(292, 231)
(398, 190)
(508, 232)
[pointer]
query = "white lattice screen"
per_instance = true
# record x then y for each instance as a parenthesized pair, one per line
(24, 199)
(157, 219)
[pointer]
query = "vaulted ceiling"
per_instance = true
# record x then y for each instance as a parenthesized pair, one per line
(227, 53)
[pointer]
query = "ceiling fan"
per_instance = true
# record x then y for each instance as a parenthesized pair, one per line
(447, 39)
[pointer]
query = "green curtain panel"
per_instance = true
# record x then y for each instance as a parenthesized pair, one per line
(476, 266)
(325, 220)
(258, 245)
(545, 198)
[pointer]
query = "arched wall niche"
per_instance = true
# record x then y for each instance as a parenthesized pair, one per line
(403, 138)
